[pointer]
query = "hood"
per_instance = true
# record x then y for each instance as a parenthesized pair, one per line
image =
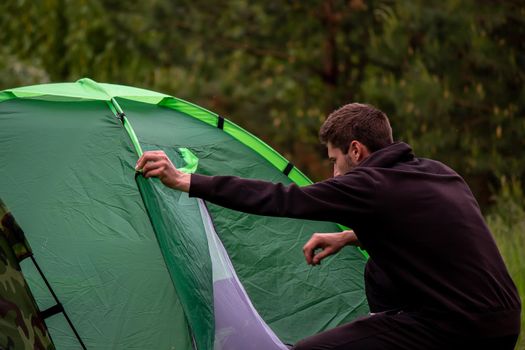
(386, 157)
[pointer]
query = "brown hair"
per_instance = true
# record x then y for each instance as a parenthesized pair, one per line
(360, 122)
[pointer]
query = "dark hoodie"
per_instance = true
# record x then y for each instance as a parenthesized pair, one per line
(417, 219)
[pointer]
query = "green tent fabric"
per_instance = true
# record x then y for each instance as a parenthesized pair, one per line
(185, 252)
(136, 265)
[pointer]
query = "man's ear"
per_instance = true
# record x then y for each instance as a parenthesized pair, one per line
(351, 146)
(354, 150)
(358, 151)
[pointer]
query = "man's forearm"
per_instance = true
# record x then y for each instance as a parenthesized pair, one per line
(251, 196)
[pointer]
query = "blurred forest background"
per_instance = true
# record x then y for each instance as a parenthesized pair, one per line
(449, 73)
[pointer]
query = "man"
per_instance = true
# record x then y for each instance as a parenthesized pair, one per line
(417, 219)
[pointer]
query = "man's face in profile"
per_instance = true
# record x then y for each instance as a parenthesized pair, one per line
(342, 162)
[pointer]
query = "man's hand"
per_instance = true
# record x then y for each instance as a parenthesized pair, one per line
(330, 243)
(157, 164)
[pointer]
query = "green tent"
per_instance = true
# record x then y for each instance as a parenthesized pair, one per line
(122, 262)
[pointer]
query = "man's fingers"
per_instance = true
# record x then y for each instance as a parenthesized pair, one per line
(321, 255)
(153, 173)
(158, 164)
(308, 251)
(310, 247)
(153, 165)
(152, 169)
(149, 156)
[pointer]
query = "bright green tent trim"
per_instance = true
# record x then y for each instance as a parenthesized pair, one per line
(6, 95)
(85, 89)
(298, 177)
(77, 90)
(190, 109)
(192, 162)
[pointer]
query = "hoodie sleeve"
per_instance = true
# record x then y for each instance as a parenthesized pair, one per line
(340, 199)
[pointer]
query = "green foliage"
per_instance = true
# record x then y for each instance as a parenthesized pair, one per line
(458, 94)
(507, 223)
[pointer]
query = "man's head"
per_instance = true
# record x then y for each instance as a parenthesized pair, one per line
(352, 133)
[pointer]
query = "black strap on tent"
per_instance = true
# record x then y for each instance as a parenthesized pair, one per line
(288, 168)
(220, 122)
(120, 116)
(57, 308)
(53, 310)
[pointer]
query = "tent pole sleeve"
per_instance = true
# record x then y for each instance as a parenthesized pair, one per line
(132, 135)
(119, 113)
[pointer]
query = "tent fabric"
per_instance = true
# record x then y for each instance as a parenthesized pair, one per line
(182, 238)
(138, 271)
(84, 89)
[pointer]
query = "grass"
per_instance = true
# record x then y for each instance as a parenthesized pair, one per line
(507, 222)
